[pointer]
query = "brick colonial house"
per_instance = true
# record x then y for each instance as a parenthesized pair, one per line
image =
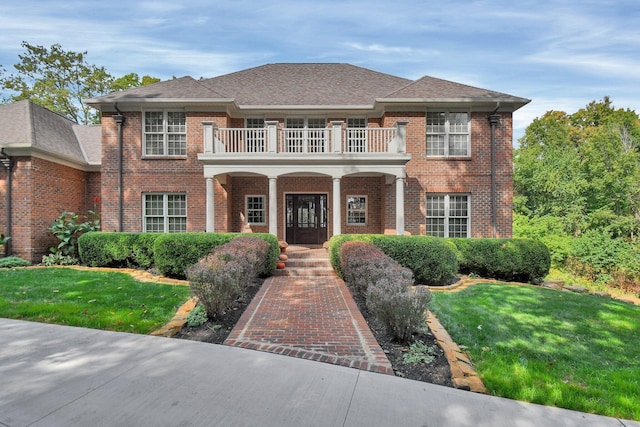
(307, 151)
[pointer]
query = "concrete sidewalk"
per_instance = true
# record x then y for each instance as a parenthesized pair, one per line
(63, 376)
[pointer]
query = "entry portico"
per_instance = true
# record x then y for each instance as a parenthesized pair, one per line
(221, 161)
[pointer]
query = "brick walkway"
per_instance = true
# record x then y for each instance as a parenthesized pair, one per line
(309, 314)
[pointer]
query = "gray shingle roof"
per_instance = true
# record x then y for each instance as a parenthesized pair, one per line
(305, 84)
(310, 84)
(438, 89)
(26, 124)
(179, 88)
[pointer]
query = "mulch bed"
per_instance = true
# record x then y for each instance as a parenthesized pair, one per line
(436, 372)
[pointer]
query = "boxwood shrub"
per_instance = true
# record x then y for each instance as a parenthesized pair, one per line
(109, 249)
(174, 252)
(432, 260)
(523, 260)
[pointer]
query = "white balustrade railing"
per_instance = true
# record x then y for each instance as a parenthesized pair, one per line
(306, 140)
(367, 140)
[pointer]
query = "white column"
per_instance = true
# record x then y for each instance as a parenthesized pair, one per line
(337, 209)
(273, 206)
(399, 206)
(210, 203)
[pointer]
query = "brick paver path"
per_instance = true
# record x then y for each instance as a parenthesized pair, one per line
(311, 317)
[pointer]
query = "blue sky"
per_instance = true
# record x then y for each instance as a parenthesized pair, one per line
(560, 54)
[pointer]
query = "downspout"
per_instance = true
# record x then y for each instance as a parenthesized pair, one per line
(494, 120)
(119, 119)
(6, 161)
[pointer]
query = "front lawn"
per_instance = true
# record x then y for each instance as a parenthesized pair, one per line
(550, 347)
(110, 301)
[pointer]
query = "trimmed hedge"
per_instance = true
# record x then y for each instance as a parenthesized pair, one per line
(170, 253)
(522, 260)
(109, 249)
(174, 252)
(433, 260)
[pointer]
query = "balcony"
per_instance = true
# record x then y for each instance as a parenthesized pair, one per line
(304, 142)
(334, 151)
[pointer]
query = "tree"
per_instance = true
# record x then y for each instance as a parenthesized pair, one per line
(59, 80)
(132, 80)
(583, 169)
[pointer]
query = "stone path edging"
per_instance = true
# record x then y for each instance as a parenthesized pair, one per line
(463, 375)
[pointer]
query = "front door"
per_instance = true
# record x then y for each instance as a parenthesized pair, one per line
(306, 219)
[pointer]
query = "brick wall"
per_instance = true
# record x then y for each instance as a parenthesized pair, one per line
(42, 190)
(471, 176)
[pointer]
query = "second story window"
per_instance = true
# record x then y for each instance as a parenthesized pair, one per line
(255, 139)
(356, 135)
(448, 134)
(165, 133)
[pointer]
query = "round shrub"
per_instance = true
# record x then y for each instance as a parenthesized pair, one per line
(432, 260)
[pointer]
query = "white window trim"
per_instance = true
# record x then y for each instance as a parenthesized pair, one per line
(365, 210)
(264, 209)
(447, 205)
(165, 133)
(447, 133)
(165, 209)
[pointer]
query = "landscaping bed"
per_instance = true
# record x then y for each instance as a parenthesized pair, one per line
(436, 372)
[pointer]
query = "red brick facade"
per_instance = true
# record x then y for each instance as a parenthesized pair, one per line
(471, 176)
(41, 191)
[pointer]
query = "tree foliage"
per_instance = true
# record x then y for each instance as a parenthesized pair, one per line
(59, 80)
(582, 168)
(577, 189)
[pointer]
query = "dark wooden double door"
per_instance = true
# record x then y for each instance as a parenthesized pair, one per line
(306, 219)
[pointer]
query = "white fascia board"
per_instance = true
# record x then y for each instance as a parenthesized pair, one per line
(26, 150)
(506, 104)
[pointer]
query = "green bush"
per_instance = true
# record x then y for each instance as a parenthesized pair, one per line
(108, 249)
(197, 316)
(432, 260)
(174, 252)
(506, 259)
(13, 261)
(335, 250)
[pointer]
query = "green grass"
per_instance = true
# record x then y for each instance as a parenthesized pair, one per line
(554, 348)
(98, 300)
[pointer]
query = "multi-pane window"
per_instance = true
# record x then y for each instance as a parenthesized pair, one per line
(165, 133)
(165, 213)
(447, 215)
(255, 140)
(255, 210)
(356, 135)
(356, 210)
(447, 134)
(305, 135)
